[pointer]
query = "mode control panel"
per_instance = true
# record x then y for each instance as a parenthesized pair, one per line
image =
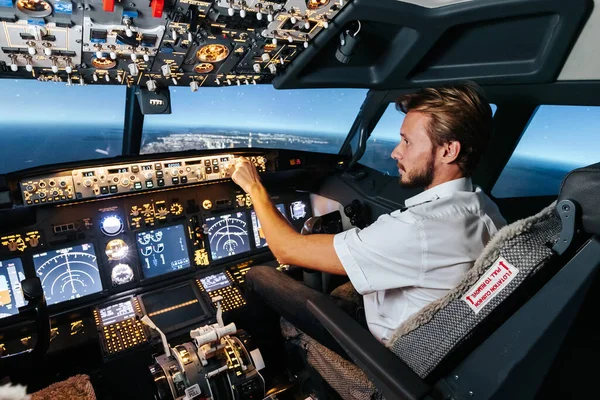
(101, 181)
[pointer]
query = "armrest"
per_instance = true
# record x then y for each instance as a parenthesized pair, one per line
(391, 375)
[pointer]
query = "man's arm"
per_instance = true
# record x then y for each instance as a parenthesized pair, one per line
(288, 246)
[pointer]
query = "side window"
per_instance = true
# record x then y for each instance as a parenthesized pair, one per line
(384, 138)
(557, 140)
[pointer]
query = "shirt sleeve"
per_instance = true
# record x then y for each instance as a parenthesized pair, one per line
(386, 255)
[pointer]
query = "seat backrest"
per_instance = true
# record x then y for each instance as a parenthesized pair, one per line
(515, 253)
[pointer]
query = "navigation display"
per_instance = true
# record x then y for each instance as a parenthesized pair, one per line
(214, 282)
(259, 235)
(11, 295)
(228, 234)
(68, 273)
(163, 250)
(117, 312)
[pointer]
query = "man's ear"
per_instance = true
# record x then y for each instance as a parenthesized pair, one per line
(450, 151)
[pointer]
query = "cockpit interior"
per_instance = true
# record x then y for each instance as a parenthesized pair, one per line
(124, 242)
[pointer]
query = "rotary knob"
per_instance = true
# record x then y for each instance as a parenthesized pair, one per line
(111, 225)
(87, 183)
(174, 172)
(148, 175)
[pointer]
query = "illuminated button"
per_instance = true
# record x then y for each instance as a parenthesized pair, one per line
(160, 182)
(104, 189)
(207, 163)
(184, 179)
(215, 169)
(137, 185)
(149, 184)
(157, 166)
(175, 180)
(215, 161)
(208, 170)
(159, 174)
(29, 202)
(114, 189)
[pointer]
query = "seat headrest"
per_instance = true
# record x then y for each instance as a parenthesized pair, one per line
(582, 185)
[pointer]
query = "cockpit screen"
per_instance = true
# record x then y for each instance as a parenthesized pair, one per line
(68, 273)
(228, 235)
(298, 210)
(259, 235)
(11, 295)
(214, 282)
(117, 312)
(163, 250)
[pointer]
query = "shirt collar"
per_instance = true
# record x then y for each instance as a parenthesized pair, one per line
(442, 190)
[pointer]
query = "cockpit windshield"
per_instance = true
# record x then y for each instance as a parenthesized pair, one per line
(48, 122)
(253, 116)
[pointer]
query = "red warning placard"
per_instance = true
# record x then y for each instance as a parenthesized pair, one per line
(496, 278)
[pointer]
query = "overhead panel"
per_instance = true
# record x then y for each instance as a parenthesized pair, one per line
(185, 42)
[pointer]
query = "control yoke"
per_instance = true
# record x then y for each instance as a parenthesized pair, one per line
(38, 310)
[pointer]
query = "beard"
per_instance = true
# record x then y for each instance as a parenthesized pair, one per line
(419, 178)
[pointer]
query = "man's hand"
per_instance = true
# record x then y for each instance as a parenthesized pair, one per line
(245, 175)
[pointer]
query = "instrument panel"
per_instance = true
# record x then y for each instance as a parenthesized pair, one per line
(97, 244)
(172, 250)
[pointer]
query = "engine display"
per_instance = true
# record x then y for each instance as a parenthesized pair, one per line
(68, 273)
(259, 235)
(228, 235)
(163, 250)
(11, 296)
(117, 312)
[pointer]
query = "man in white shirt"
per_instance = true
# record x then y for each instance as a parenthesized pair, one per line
(410, 257)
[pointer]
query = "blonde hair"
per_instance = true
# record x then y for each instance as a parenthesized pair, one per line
(458, 112)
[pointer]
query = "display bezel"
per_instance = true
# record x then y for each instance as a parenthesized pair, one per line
(250, 233)
(207, 290)
(252, 211)
(140, 268)
(25, 272)
(113, 303)
(99, 262)
(207, 314)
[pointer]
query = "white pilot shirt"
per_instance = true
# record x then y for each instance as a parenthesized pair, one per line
(405, 260)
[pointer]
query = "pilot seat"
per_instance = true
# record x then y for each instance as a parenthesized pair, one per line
(497, 334)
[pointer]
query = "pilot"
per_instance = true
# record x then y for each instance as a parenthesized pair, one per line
(405, 259)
